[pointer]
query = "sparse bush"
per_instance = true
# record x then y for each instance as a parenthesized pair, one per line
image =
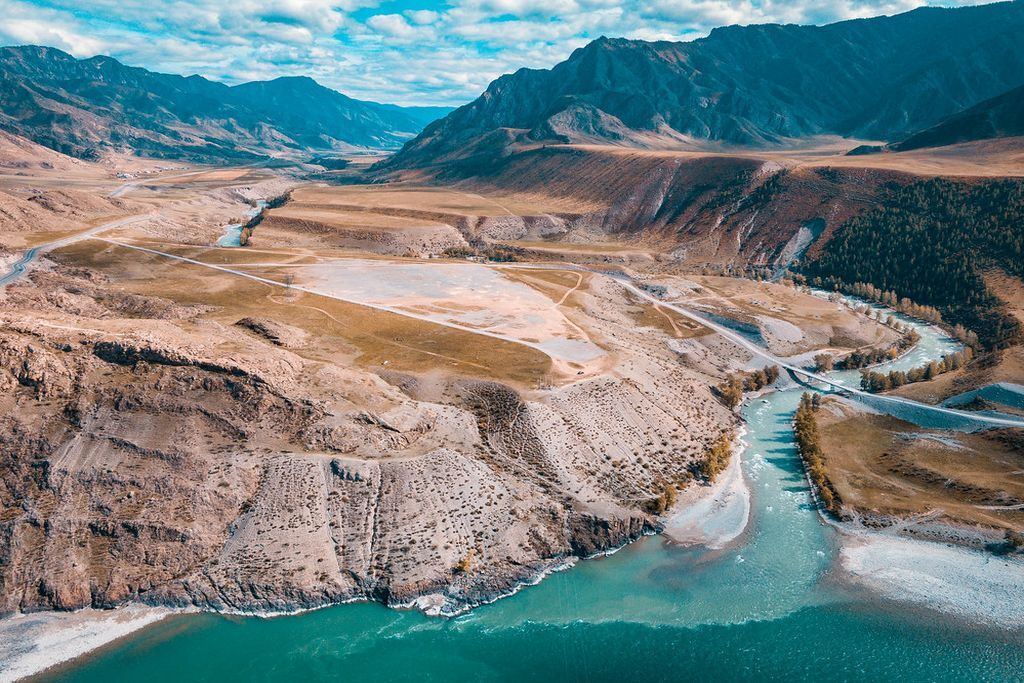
(824, 362)
(465, 565)
(716, 459)
(732, 389)
(664, 502)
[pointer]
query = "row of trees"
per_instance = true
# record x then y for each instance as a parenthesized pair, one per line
(732, 389)
(717, 458)
(866, 290)
(932, 241)
(499, 254)
(862, 359)
(808, 442)
(877, 381)
(903, 305)
(250, 226)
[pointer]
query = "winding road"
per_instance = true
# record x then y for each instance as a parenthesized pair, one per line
(988, 420)
(739, 340)
(808, 374)
(20, 267)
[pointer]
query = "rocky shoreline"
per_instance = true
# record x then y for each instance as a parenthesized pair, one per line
(41, 640)
(592, 537)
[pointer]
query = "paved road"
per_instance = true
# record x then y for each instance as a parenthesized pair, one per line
(20, 267)
(741, 341)
(824, 379)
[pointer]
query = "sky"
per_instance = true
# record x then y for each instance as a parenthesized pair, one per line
(404, 51)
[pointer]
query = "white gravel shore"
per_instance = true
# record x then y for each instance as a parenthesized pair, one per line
(716, 515)
(974, 585)
(31, 643)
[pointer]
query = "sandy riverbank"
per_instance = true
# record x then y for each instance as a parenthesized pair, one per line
(31, 643)
(973, 585)
(715, 515)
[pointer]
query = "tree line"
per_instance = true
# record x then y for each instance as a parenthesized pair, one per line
(877, 381)
(808, 442)
(731, 390)
(716, 459)
(246, 234)
(931, 241)
(862, 359)
(901, 304)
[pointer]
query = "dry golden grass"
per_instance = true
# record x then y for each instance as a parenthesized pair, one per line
(984, 158)
(766, 298)
(883, 465)
(429, 199)
(209, 178)
(648, 314)
(346, 219)
(340, 332)
(570, 248)
(558, 285)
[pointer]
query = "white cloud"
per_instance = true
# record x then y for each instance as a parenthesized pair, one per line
(423, 17)
(27, 25)
(393, 25)
(426, 53)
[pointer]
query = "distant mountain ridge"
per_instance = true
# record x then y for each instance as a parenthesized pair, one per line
(882, 78)
(1000, 116)
(86, 107)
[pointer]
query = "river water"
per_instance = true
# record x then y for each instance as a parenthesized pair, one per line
(770, 607)
(232, 236)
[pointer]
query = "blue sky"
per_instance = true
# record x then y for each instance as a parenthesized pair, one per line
(402, 51)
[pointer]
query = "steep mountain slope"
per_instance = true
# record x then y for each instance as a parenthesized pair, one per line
(1001, 116)
(18, 153)
(876, 78)
(85, 107)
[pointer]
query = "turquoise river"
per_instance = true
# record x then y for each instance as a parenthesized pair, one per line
(768, 608)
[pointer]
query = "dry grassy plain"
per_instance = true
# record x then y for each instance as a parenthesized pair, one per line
(790, 322)
(340, 332)
(884, 467)
(986, 158)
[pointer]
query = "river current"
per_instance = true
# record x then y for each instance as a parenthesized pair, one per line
(768, 607)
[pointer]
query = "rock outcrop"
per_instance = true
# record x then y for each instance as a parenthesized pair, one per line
(179, 461)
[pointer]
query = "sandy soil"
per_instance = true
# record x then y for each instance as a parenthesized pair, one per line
(31, 643)
(972, 585)
(715, 515)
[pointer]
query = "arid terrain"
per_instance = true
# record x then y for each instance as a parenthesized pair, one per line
(184, 428)
(932, 483)
(407, 393)
(700, 341)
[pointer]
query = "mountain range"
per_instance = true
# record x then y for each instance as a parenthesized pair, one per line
(926, 77)
(998, 117)
(87, 107)
(884, 78)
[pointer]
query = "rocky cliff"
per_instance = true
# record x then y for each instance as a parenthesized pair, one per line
(153, 454)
